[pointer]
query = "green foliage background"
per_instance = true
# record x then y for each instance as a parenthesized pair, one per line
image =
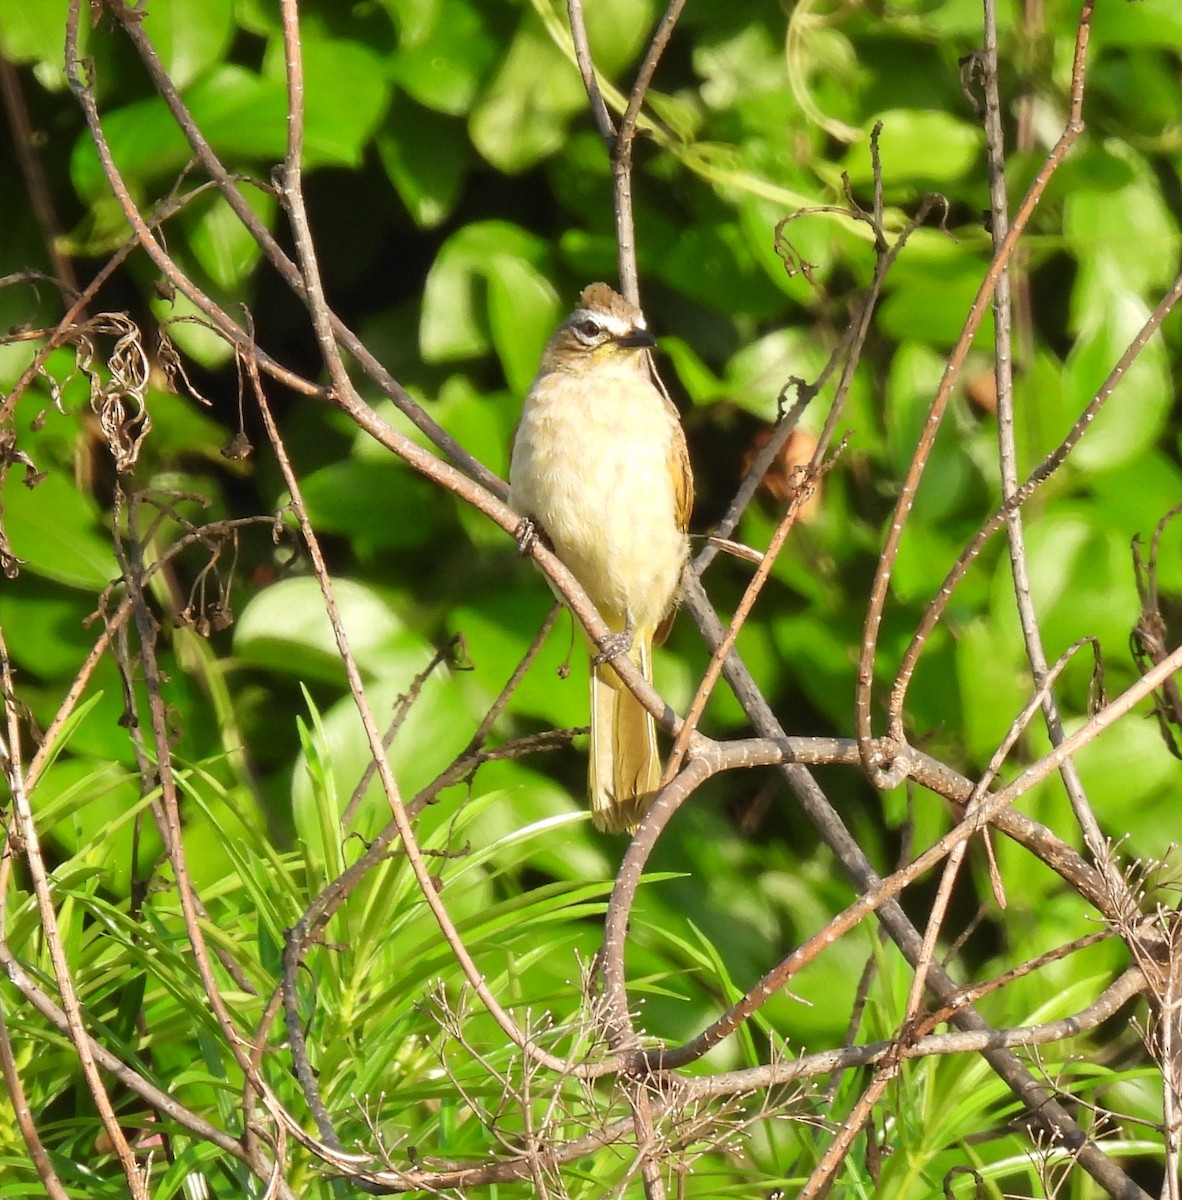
(460, 198)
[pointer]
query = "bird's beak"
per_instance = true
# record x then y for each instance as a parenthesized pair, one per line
(637, 339)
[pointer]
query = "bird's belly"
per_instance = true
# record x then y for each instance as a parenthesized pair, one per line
(599, 482)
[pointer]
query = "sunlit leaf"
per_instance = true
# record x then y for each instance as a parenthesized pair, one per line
(921, 146)
(441, 64)
(428, 166)
(54, 530)
(222, 244)
(191, 36)
(522, 307)
(523, 114)
(1132, 420)
(285, 627)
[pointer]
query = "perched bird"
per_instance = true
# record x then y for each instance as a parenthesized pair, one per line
(599, 462)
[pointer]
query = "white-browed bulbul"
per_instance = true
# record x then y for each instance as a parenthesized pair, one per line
(599, 462)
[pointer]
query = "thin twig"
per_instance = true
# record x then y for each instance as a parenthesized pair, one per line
(1034, 481)
(11, 762)
(1007, 450)
(373, 736)
(750, 594)
(292, 193)
(36, 185)
(749, 1080)
(943, 897)
(599, 112)
(1049, 1114)
(50, 1180)
(619, 142)
(875, 765)
(133, 26)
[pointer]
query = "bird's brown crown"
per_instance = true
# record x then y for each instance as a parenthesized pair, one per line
(606, 301)
(604, 328)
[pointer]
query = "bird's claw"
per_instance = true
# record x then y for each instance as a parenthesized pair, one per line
(526, 534)
(613, 647)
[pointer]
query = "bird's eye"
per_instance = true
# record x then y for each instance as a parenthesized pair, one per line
(589, 330)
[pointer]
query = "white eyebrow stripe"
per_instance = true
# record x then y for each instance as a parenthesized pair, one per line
(616, 326)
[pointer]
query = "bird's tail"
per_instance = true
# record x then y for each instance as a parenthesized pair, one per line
(625, 764)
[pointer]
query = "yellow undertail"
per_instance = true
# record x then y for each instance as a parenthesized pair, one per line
(625, 764)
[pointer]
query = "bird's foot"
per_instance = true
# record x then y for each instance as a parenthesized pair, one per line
(528, 534)
(614, 646)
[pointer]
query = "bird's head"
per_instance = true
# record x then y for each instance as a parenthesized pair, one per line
(604, 329)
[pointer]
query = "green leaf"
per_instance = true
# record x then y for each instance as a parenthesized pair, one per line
(710, 957)
(950, 476)
(479, 419)
(52, 642)
(427, 166)
(1140, 89)
(244, 117)
(931, 294)
(95, 728)
(441, 65)
(194, 338)
(522, 116)
(1081, 579)
(33, 31)
(451, 327)
(382, 504)
(53, 528)
(817, 240)
(531, 802)
(915, 374)
(241, 115)
(415, 18)
(702, 385)
(1123, 236)
(822, 70)
(941, 20)
(435, 728)
(185, 1167)
(497, 629)
(221, 243)
(990, 662)
(1130, 778)
(522, 307)
(757, 374)
(616, 31)
(190, 36)
(317, 807)
(1139, 25)
(926, 554)
(286, 628)
(260, 872)
(482, 421)
(347, 94)
(740, 66)
(1132, 499)
(1134, 416)
(711, 262)
(182, 426)
(917, 146)
(90, 809)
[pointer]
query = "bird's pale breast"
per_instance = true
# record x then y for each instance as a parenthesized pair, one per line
(591, 462)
